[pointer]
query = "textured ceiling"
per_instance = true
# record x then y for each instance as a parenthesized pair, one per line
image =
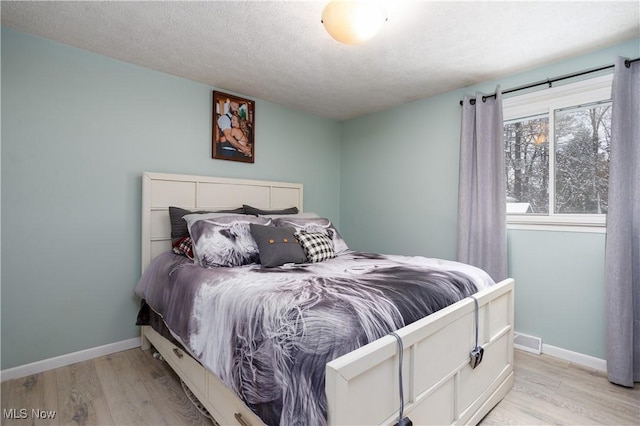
(278, 51)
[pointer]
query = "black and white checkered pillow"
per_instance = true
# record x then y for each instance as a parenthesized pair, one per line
(317, 246)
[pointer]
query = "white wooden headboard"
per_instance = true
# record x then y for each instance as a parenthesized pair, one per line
(161, 190)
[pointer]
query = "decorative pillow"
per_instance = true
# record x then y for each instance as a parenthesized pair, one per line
(179, 227)
(223, 241)
(305, 215)
(315, 225)
(183, 246)
(317, 246)
(277, 246)
(256, 211)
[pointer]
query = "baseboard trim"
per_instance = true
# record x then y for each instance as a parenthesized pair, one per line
(575, 357)
(87, 354)
(68, 359)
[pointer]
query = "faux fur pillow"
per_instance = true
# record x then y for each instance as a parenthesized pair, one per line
(223, 241)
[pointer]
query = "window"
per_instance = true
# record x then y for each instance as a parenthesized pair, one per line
(556, 145)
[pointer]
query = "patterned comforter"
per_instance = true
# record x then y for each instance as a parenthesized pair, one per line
(268, 333)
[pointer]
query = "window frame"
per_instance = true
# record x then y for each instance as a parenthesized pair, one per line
(545, 102)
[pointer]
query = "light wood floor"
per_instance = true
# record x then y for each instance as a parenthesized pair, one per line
(133, 388)
(548, 390)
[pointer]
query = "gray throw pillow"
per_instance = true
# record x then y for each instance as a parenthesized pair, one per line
(277, 246)
(256, 211)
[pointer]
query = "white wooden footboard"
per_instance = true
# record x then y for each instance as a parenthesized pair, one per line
(440, 387)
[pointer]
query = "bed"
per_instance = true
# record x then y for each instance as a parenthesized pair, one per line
(362, 385)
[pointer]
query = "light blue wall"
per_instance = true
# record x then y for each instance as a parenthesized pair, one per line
(560, 290)
(78, 129)
(399, 188)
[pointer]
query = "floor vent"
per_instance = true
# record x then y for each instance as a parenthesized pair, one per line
(527, 343)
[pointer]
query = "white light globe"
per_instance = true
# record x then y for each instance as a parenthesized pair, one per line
(353, 22)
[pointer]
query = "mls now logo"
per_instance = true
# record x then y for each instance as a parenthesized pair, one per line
(23, 413)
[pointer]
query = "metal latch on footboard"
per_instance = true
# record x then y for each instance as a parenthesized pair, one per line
(478, 351)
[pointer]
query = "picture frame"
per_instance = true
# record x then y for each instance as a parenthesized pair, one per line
(233, 128)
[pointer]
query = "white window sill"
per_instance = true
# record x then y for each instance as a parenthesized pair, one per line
(562, 223)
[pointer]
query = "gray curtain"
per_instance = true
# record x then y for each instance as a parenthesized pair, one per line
(623, 228)
(482, 228)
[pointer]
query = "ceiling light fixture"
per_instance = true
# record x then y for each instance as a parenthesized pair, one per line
(353, 21)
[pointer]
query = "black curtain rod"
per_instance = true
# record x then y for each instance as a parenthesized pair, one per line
(549, 81)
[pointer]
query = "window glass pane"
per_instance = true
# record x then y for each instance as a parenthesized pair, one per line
(527, 165)
(582, 136)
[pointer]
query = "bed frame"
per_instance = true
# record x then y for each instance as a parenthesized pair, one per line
(440, 387)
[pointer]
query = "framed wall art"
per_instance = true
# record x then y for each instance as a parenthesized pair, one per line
(233, 128)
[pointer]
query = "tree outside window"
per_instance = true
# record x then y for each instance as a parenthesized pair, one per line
(578, 154)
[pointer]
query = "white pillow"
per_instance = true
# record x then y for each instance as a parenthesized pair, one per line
(190, 218)
(304, 215)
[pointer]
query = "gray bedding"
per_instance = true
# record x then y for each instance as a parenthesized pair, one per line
(268, 333)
